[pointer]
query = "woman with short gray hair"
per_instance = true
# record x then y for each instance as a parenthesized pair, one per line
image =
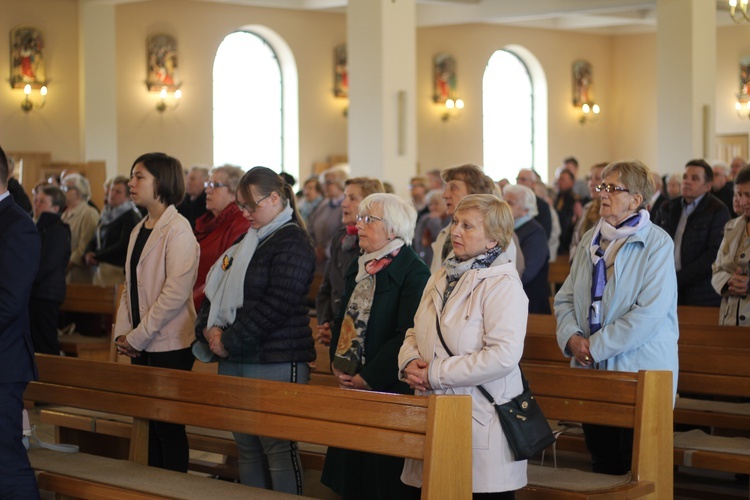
(533, 243)
(381, 294)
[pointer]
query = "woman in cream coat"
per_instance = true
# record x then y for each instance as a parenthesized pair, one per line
(730, 270)
(477, 296)
(156, 316)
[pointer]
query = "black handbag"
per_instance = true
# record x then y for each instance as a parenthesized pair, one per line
(525, 426)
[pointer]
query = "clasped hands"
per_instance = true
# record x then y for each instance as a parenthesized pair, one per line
(418, 375)
(579, 347)
(737, 284)
(347, 381)
(213, 336)
(124, 348)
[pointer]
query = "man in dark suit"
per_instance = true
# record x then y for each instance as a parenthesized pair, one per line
(19, 260)
(695, 221)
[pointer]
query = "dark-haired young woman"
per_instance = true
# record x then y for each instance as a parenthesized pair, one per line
(156, 316)
(254, 317)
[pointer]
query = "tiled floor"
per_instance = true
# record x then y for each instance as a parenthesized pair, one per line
(689, 483)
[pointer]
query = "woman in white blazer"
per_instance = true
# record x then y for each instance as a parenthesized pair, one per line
(478, 299)
(155, 321)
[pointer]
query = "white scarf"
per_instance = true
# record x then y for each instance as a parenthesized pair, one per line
(612, 234)
(226, 290)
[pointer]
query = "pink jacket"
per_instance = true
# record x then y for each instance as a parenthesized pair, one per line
(166, 274)
(484, 325)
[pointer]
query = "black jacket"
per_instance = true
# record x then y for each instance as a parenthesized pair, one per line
(114, 237)
(273, 325)
(192, 209)
(535, 278)
(19, 195)
(49, 283)
(698, 249)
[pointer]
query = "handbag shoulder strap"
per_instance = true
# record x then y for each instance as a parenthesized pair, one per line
(484, 391)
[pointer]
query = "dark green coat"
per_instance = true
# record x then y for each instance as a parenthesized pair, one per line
(398, 291)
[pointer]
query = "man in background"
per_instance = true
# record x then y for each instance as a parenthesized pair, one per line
(19, 261)
(695, 221)
(722, 187)
(194, 204)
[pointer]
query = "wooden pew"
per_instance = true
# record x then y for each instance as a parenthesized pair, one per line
(405, 426)
(95, 300)
(641, 401)
(713, 363)
(695, 316)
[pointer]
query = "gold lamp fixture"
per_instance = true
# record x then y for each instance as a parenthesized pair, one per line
(453, 108)
(168, 102)
(27, 104)
(589, 113)
(741, 16)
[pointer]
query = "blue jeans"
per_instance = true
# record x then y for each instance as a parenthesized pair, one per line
(284, 468)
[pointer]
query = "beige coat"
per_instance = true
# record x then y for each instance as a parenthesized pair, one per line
(484, 325)
(734, 310)
(82, 221)
(166, 274)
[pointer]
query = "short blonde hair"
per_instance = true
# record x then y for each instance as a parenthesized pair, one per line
(496, 215)
(400, 216)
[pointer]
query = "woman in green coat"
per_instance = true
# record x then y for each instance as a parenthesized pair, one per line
(382, 293)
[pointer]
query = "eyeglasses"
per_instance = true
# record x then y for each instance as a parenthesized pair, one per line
(213, 185)
(251, 208)
(367, 219)
(610, 188)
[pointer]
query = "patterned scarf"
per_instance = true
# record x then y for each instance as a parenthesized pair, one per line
(350, 350)
(455, 268)
(604, 246)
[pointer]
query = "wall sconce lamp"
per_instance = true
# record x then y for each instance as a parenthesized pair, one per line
(743, 15)
(27, 105)
(742, 106)
(165, 102)
(453, 108)
(589, 113)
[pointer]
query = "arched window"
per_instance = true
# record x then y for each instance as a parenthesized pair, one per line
(248, 98)
(515, 108)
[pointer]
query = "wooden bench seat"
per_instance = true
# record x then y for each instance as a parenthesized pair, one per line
(108, 435)
(397, 425)
(639, 401)
(713, 364)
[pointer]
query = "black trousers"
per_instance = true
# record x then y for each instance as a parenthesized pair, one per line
(17, 480)
(43, 322)
(167, 443)
(611, 448)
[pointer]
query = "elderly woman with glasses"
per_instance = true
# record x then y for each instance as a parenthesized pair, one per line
(617, 310)
(254, 318)
(382, 291)
(221, 226)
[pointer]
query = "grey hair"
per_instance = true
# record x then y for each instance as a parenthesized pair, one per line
(400, 216)
(233, 174)
(80, 184)
(201, 169)
(435, 193)
(526, 196)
